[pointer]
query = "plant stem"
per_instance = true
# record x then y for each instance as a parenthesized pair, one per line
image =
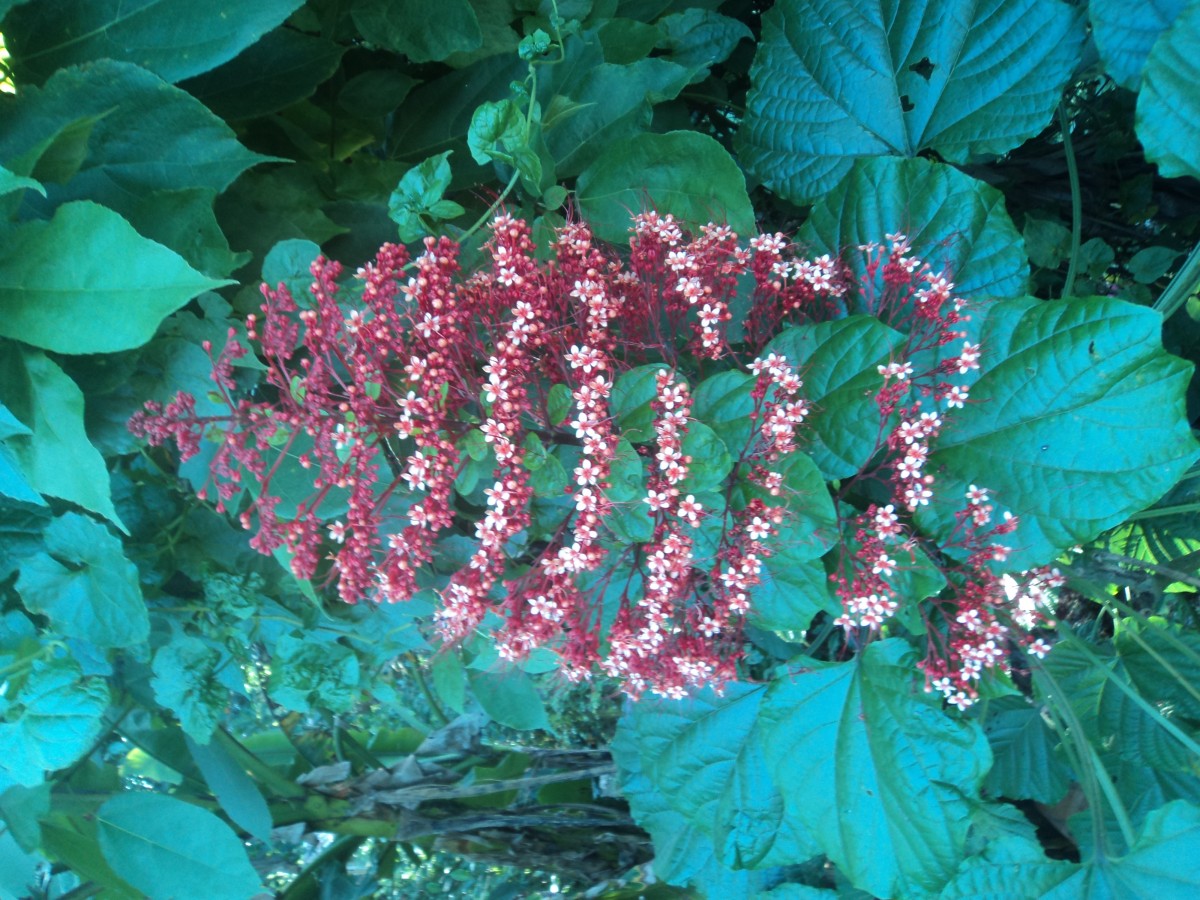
(1064, 122)
(1182, 286)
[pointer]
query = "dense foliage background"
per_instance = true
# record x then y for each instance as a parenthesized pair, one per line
(180, 717)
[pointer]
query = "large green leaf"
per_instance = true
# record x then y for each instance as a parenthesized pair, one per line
(85, 585)
(284, 67)
(874, 769)
(175, 39)
(113, 132)
(411, 28)
(683, 854)
(794, 585)
(236, 791)
(510, 698)
(307, 674)
(184, 682)
(166, 848)
(957, 224)
(1025, 766)
(838, 361)
(835, 80)
(60, 289)
(704, 756)
(1163, 661)
(1168, 110)
(684, 173)
(1057, 379)
(1125, 31)
(50, 722)
(56, 457)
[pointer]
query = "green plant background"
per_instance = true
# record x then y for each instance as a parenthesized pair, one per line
(176, 711)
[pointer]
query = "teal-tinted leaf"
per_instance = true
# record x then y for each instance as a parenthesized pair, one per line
(184, 221)
(375, 92)
(50, 722)
(509, 698)
(1168, 109)
(450, 679)
(794, 585)
(550, 479)
(684, 173)
(1151, 263)
(185, 682)
(412, 204)
(289, 263)
(957, 223)
(1163, 661)
(236, 791)
(56, 458)
(723, 403)
(175, 39)
(559, 403)
(310, 674)
(700, 38)
(406, 26)
(20, 809)
(1163, 862)
(1025, 766)
(592, 105)
(626, 40)
(682, 854)
(1047, 242)
(19, 868)
(165, 848)
(630, 402)
(85, 585)
(1009, 869)
(1126, 31)
(132, 134)
(704, 756)
(838, 361)
(284, 67)
(1137, 732)
(10, 182)
(710, 463)
(60, 290)
(14, 488)
(893, 77)
(874, 769)
(627, 475)
(1038, 430)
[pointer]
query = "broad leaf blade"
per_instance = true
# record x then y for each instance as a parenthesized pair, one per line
(955, 222)
(60, 289)
(166, 848)
(1038, 431)
(874, 769)
(1168, 110)
(1125, 32)
(893, 77)
(175, 39)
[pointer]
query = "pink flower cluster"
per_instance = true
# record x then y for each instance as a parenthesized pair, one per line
(390, 390)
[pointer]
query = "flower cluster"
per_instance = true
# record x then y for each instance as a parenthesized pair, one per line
(430, 405)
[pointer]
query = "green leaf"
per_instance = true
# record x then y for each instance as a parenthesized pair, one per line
(682, 854)
(412, 204)
(838, 361)
(704, 756)
(141, 135)
(284, 67)
(56, 458)
(958, 223)
(1038, 433)
(1009, 869)
(165, 848)
(1151, 263)
(236, 791)
(559, 403)
(874, 769)
(630, 402)
(51, 721)
(700, 38)
(723, 402)
(20, 808)
(1125, 32)
(309, 674)
(449, 679)
(1163, 661)
(509, 698)
(684, 173)
(375, 93)
(710, 463)
(1025, 766)
(894, 77)
(184, 221)
(1168, 108)
(175, 39)
(407, 27)
(794, 585)
(1163, 862)
(85, 585)
(59, 289)
(185, 682)
(10, 182)
(1047, 242)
